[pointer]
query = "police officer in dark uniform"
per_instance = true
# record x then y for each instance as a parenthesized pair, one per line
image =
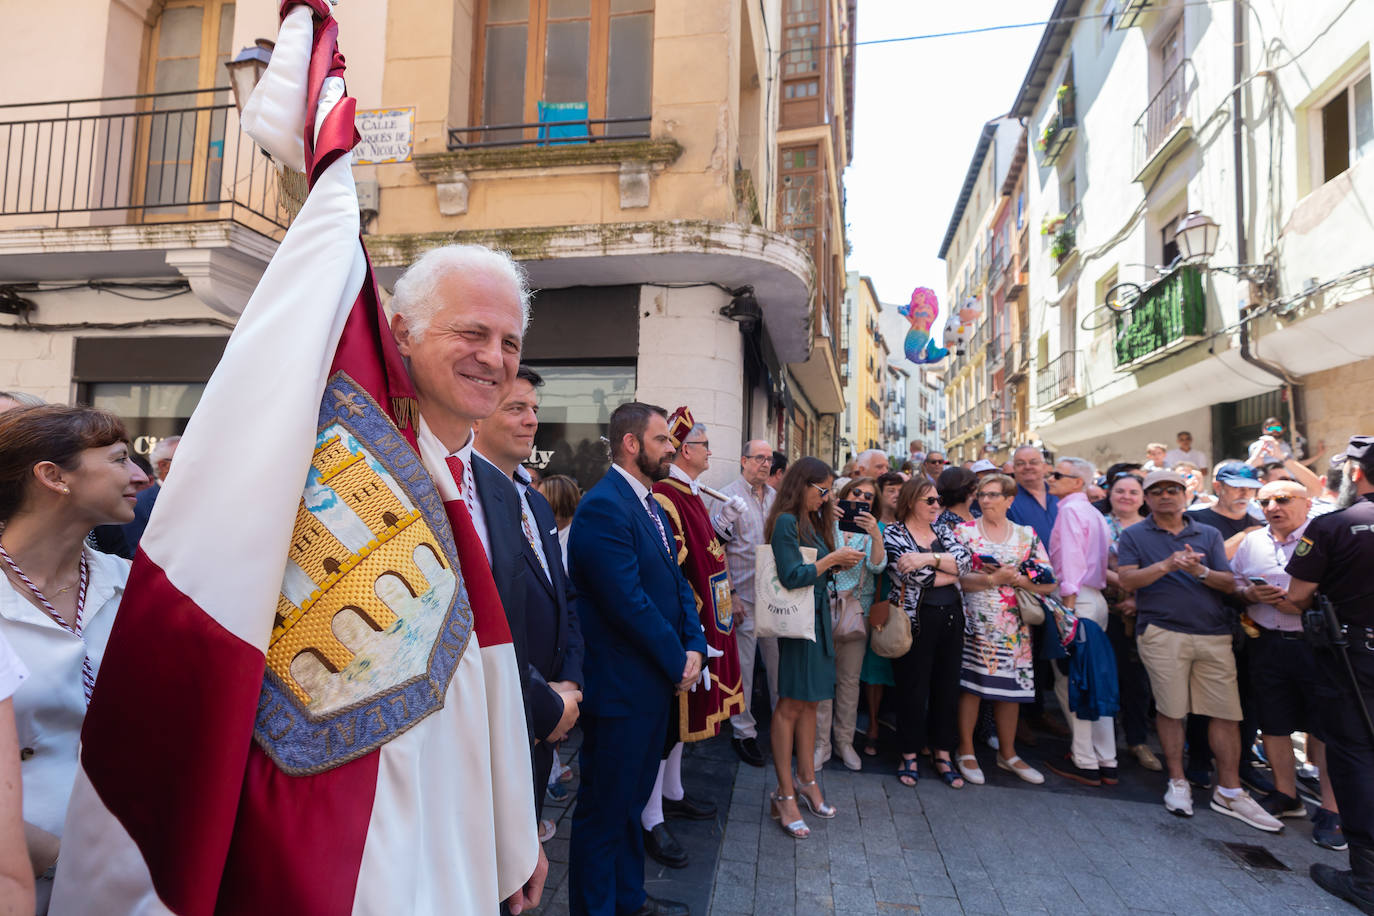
(1336, 557)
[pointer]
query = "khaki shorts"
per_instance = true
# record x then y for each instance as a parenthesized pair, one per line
(1191, 673)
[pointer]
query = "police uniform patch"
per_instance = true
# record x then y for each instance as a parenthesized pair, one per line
(1304, 547)
(372, 618)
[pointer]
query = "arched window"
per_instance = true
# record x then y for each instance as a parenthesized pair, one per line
(184, 141)
(542, 61)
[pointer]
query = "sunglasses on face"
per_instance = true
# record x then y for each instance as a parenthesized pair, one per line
(936, 461)
(1264, 501)
(1060, 475)
(990, 494)
(821, 490)
(930, 500)
(1173, 490)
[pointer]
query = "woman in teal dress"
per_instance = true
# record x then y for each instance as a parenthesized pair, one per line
(806, 670)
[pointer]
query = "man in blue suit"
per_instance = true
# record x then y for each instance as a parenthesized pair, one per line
(161, 459)
(643, 643)
(553, 650)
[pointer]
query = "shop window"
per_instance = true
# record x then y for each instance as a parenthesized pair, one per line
(1345, 128)
(150, 411)
(575, 407)
(565, 60)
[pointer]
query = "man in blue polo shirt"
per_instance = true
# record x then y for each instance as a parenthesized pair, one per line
(1179, 571)
(1034, 504)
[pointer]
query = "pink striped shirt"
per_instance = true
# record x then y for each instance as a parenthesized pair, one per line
(1079, 545)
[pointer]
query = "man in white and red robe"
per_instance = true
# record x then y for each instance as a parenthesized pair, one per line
(311, 701)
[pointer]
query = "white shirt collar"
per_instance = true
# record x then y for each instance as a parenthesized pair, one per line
(641, 491)
(678, 473)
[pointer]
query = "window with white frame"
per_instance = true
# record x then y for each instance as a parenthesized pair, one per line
(1342, 127)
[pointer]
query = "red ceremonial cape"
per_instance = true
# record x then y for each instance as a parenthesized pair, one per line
(702, 559)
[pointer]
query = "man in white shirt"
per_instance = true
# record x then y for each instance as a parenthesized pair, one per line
(1186, 453)
(742, 533)
(1283, 667)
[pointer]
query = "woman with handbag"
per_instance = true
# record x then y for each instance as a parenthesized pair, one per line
(854, 589)
(998, 663)
(806, 669)
(876, 672)
(925, 562)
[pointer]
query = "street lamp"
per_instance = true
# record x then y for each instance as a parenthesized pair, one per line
(1197, 236)
(1197, 241)
(246, 69)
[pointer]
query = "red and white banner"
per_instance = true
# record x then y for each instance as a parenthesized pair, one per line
(302, 708)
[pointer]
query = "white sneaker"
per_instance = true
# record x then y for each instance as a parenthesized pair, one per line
(1179, 798)
(1018, 766)
(1245, 809)
(849, 757)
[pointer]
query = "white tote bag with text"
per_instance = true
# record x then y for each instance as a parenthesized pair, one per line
(786, 612)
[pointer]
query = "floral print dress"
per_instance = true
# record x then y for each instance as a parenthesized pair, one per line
(998, 661)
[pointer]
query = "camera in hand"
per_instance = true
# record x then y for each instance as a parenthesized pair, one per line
(849, 514)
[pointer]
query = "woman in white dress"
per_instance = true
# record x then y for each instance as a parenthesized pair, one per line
(63, 471)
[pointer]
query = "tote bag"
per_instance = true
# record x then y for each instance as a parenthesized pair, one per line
(789, 613)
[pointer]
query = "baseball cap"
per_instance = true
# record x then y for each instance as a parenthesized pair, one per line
(982, 464)
(1361, 448)
(1238, 474)
(1158, 477)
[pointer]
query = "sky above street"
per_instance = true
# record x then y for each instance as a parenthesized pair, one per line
(919, 107)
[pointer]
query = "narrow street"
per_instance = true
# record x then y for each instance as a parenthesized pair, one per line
(1002, 848)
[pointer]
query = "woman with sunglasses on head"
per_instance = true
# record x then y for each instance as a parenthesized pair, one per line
(800, 518)
(63, 471)
(877, 671)
(925, 561)
(857, 583)
(998, 663)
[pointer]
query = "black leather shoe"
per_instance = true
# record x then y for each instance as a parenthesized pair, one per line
(1343, 884)
(663, 847)
(748, 750)
(654, 907)
(693, 809)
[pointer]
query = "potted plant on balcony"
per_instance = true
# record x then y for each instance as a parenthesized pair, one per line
(1051, 224)
(1063, 243)
(1047, 135)
(1063, 99)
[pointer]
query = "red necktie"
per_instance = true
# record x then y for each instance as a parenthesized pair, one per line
(489, 617)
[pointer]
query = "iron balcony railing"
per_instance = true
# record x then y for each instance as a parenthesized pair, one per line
(550, 133)
(1172, 310)
(1057, 380)
(156, 157)
(1166, 111)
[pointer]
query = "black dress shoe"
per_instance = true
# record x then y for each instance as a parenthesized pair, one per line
(693, 809)
(654, 907)
(748, 750)
(663, 847)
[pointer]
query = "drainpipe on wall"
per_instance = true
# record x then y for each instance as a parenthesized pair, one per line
(1292, 390)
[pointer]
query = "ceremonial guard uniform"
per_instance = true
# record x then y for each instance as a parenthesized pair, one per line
(1336, 554)
(700, 712)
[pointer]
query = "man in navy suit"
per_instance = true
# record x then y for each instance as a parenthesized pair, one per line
(553, 681)
(643, 643)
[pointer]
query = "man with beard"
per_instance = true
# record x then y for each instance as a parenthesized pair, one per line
(697, 714)
(643, 643)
